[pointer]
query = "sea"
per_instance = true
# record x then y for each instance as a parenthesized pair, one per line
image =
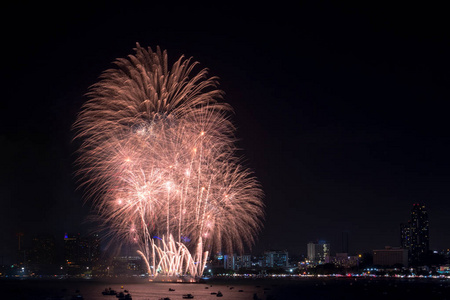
(262, 289)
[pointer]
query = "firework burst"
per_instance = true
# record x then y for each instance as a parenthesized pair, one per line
(158, 161)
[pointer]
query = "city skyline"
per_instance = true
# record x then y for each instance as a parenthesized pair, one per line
(340, 111)
(413, 238)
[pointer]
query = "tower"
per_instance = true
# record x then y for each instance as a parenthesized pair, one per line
(420, 241)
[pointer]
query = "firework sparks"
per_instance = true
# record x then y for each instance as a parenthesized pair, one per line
(158, 160)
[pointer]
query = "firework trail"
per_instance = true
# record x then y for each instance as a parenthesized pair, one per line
(158, 161)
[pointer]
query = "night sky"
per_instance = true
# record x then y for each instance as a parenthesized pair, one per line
(342, 111)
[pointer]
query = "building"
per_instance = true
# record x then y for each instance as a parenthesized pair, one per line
(42, 255)
(81, 251)
(414, 236)
(420, 241)
(128, 265)
(405, 235)
(390, 256)
(276, 259)
(344, 260)
(71, 250)
(236, 262)
(89, 250)
(318, 252)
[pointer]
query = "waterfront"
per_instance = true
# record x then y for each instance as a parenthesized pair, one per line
(267, 289)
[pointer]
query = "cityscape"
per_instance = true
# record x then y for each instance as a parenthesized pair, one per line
(159, 150)
(82, 257)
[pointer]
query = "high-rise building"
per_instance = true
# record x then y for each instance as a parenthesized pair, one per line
(89, 250)
(42, 254)
(414, 236)
(420, 240)
(276, 259)
(318, 252)
(81, 251)
(71, 250)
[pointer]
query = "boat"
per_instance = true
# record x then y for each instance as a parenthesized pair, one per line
(171, 290)
(165, 298)
(123, 296)
(109, 292)
(188, 296)
(219, 294)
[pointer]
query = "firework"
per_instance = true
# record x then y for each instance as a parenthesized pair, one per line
(158, 160)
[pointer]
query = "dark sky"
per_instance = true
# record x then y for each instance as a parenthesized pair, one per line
(342, 110)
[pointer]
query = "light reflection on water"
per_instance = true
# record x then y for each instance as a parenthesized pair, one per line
(141, 290)
(152, 290)
(307, 288)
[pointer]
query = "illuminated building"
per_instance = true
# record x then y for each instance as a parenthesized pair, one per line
(81, 251)
(127, 265)
(420, 241)
(236, 262)
(405, 235)
(42, 254)
(390, 256)
(71, 250)
(276, 259)
(344, 260)
(414, 236)
(89, 250)
(318, 252)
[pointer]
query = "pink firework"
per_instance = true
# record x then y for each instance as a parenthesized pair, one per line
(158, 160)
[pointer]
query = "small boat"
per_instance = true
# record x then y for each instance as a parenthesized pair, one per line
(171, 290)
(241, 291)
(123, 296)
(219, 294)
(109, 292)
(213, 293)
(206, 287)
(165, 298)
(188, 296)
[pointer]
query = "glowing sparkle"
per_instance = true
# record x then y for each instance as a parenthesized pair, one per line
(175, 212)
